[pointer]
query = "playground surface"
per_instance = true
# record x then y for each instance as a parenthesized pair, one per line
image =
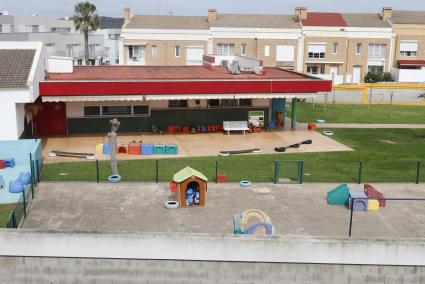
(194, 145)
(294, 209)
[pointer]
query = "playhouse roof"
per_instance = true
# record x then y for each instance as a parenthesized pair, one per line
(186, 173)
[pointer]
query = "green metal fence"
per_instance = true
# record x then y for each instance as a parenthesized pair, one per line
(19, 213)
(255, 170)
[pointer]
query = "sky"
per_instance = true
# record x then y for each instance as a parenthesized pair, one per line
(114, 8)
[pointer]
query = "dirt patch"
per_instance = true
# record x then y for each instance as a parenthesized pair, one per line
(388, 142)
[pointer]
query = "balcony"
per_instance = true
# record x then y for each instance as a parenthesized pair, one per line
(409, 75)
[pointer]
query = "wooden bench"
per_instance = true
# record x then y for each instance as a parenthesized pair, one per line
(235, 126)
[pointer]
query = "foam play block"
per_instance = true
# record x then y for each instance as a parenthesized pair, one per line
(338, 195)
(99, 148)
(371, 192)
(221, 178)
(147, 149)
(122, 148)
(372, 205)
(106, 149)
(2, 164)
(171, 149)
(134, 149)
(159, 149)
(358, 200)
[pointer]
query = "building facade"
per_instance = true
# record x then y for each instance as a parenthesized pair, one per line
(58, 36)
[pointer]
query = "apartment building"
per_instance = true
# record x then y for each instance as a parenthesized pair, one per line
(183, 40)
(110, 29)
(345, 46)
(58, 36)
(409, 31)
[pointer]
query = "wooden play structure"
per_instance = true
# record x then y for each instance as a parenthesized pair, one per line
(191, 187)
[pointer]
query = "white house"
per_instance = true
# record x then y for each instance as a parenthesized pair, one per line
(21, 70)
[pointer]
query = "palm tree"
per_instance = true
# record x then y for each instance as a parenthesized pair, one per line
(86, 20)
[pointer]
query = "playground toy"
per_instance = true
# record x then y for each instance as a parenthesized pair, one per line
(221, 178)
(339, 195)
(2, 164)
(9, 162)
(328, 133)
(25, 178)
(241, 223)
(372, 205)
(88, 156)
(320, 121)
(371, 192)
(112, 138)
(245, 183)
(311, 126)
(296, 145)
(234, 152)
(171, 204)
(17, 185)
(191, 187)
(134, 148)
(359, 204)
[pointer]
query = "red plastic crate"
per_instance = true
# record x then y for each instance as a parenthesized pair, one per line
(170, 129)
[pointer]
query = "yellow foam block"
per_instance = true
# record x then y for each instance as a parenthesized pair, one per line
(99, 148)
(373, 205)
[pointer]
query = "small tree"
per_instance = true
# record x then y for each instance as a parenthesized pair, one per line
(372, 77)
(86, 20)
(386, 77)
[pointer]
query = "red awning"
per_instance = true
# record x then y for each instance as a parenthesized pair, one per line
(411, 62)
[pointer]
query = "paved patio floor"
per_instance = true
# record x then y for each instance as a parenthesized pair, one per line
(294, 209)
(195, 145)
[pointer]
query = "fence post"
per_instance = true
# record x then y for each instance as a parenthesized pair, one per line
(37, 169)
(32, 176)
(418, 171)
(301, 171)
(25, 206)
(157, 170)
(216, 171)
(276, 171)
(351, 217)
(360, 172)
(97, 170)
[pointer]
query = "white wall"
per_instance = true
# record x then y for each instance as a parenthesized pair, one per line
(178, 246)
(409, 75)
(57, 64)
(12, 112)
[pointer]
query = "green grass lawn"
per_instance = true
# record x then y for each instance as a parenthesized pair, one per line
(4, 213)
(339, 113)
(388, 155)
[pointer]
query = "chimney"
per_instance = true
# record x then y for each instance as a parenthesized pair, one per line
(301, 13)
(387, 12)
(127, 15)
(212, 15)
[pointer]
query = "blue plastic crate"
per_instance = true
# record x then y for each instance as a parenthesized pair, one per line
(171, 149)
(106, 149)
(147, 149)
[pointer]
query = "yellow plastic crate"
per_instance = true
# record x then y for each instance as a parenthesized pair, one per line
(99, 148)
(373, 205)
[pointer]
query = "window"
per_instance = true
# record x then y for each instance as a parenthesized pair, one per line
(61, 30)
(116, 110)
(50, 47)
(358, 48)
(91, 110)
(141, 110)
(377, 51)
(177, 51)
(267, 50)
(177, 103)
(1, 28)
(213, 103)
(12, 28)
(228, 102)
(225, 49)
(154, 51)
(408, 48)
(32, 28)
(335, 48)
(243, 50)
(316, 50)
(245, 102)
(136, 52)
(316, 69)
(114, 36)
(285, 53)
(375, 69)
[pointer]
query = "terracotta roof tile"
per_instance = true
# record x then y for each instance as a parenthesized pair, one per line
(324, 20)
(15, 66)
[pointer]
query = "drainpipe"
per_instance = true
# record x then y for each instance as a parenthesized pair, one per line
(391, 57)
(347, 44)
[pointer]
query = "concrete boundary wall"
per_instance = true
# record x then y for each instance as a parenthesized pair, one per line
(207, 247)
